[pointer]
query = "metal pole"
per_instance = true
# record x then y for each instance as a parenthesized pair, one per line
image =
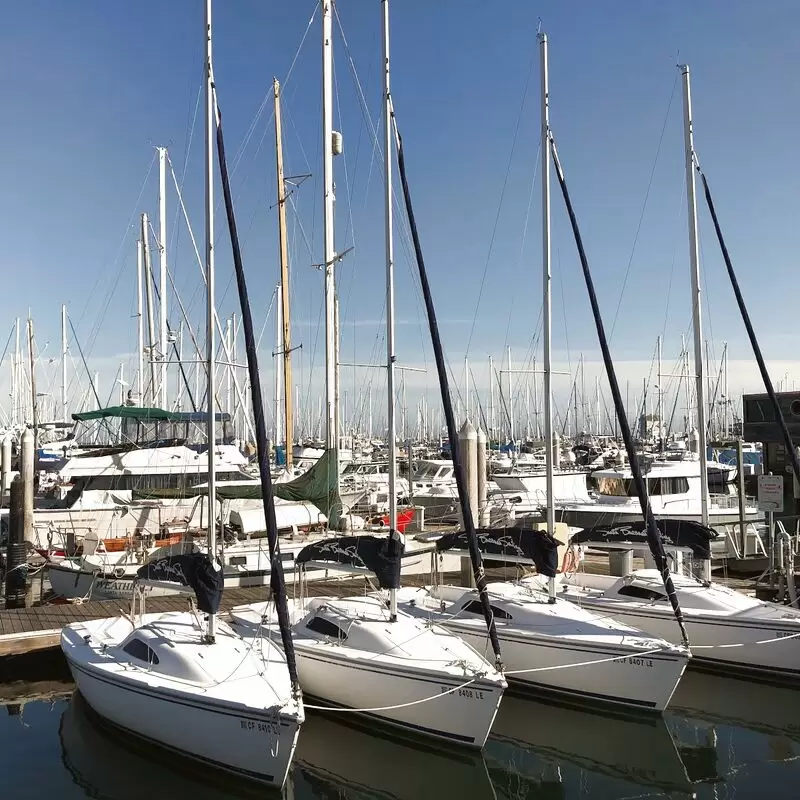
(64, 415)
(148, 282)
(694, 259)
(140, 320)
(162, 263)
(510, 400)
(34, 399)
(391, 357)
(278, 334)
(546, 292)
(210, 304)
(740, 482)
(286, 345)
(329, 254)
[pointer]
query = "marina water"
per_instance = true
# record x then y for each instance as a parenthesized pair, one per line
(722, 739)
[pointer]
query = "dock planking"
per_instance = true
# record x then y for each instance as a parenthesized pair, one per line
(26, 630)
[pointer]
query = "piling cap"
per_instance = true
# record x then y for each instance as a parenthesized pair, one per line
(481, 436)
(468, 431)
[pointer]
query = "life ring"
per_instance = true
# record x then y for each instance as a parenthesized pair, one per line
(119, 572)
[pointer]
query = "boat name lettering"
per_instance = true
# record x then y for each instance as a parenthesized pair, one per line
(260, 727)
(469, 694)
(636, 661)
(785, 634)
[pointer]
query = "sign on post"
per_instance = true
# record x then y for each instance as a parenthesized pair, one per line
(770, 493)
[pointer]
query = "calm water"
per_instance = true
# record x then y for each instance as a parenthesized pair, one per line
(725, 739)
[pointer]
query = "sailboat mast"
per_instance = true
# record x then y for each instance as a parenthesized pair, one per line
(390, 353)
(546, 293)
(210, 343)
(694, 261)
(286, 346)
(63, 363)
(148, 282)
(162, 263)
(278, 336)
(140, 320)
(329, 254)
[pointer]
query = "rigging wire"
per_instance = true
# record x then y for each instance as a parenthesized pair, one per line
(500, 204)
(644, 208)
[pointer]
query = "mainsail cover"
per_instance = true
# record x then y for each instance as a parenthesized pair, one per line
(379, 554)
(319, 485)
(195, 570)
(674, 533)
(537, 546)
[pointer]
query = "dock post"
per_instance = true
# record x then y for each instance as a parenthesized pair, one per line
(483, 506)
(16, 553)
(468, 441)
(26, 473)
(5, 468)
(741, 488)
(468, 445)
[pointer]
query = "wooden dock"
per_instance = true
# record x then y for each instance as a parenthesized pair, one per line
(26, 630)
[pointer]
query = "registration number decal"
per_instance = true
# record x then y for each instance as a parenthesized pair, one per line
(636, 661)
(467, 694)
(258, 727)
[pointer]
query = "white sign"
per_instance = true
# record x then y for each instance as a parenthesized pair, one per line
(770, 492)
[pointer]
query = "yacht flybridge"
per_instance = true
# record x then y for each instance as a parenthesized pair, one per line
(674, 489)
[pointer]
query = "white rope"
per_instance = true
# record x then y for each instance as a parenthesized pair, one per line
(745, 644)
(641, 654)
(391, 708)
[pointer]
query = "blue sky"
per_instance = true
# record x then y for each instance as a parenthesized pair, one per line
(90, 87)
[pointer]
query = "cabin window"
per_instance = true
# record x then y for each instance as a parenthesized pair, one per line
(641, 593)
(615, 487)
(326, 628)
(475, 607)
(659, 486)
(140, 651)
(237, 561)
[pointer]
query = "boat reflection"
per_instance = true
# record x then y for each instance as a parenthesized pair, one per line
(544, 748)
(108, 764)
(343, 758)
(727, 728)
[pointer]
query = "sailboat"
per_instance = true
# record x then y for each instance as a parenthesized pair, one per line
(546, 644)
(186, 680)
(729, 630)
(358, 653)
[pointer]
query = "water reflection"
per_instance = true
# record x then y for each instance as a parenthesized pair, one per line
(723, 739)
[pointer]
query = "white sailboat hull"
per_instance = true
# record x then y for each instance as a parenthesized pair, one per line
(726, 629)
(462, 716)
(401, 673)
(577, 668)
(229, 727)
(747, 646)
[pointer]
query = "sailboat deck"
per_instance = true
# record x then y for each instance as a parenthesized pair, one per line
(27, 630)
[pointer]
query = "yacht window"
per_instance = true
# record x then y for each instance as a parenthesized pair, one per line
(475, 607)
(658, 486)
(641, 592)
(139, 650)
(615, 487)
(236, 561)
(326, 628)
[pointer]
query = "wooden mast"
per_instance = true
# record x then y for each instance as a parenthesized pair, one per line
(288, 419)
